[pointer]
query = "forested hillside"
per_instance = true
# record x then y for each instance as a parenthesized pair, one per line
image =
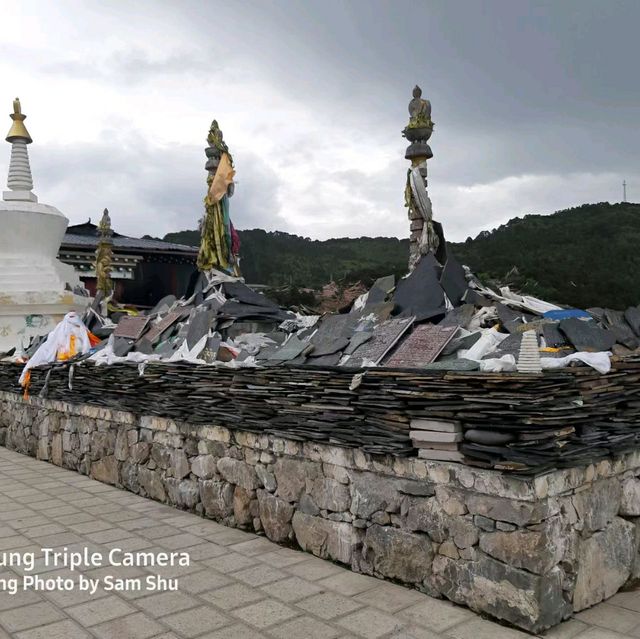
(281, 259)
(585, 256)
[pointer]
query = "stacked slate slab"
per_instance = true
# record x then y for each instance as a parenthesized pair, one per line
(517, 423)
(437, 439)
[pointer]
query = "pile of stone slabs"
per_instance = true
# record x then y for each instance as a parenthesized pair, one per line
(421, 322)
(437, 439)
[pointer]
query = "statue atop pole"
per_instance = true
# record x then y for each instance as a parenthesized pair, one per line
(219, 243)
(104, 256)
(426, 234)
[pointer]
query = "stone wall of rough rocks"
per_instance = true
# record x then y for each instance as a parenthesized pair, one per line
(529, 552)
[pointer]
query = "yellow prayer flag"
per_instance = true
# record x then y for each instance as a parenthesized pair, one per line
(221, 180)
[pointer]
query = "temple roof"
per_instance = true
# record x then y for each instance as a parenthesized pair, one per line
(85, 236)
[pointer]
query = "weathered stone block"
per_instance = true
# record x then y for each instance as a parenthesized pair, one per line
(238, 473)
(449, 549)
(291, 477)
(484, 523)
(371, 492)
(537, 550)
(330, 494)
(121, 451)
(252, 457)
(242, 505)
(452, 501)
(339, 473)
(630, 498)
(462, 530)
(275, 515)
(517, 512)
(56, 449)
(102, 443)
(183, 493)
(204, 466)
(417, 488)
(67, 445)
(161, 455)
(381, 518)
(190, 446)
(307, 506)
(397, 554)
(151, 482)
(179, 464)
(105, 470)
(604, 563)
(217, 498)
(267, 458)
(129, 476)
(139, 453)
(247, 440)
(532, 602)
(326, 539)
(427, 515)
(206, 447)
(267, 479)
(597, 505)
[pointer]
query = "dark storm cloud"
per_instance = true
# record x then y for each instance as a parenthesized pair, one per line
(524, 87)
(536, 108)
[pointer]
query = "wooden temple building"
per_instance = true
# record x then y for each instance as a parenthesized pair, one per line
(143, 269)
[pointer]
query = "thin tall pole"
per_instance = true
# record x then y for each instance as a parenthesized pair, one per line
(624, 190)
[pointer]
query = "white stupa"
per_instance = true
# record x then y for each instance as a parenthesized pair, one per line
(36, 289)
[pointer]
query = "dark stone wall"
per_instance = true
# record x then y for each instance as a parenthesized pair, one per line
(528, 552)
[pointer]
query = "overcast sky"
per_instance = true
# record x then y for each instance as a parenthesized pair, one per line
(536, 105)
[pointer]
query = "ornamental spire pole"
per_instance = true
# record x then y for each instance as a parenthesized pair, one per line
(104, 256)
(20, 181)
(219, 243)
(425, 234)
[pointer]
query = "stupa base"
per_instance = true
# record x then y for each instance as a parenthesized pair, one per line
(24, 315)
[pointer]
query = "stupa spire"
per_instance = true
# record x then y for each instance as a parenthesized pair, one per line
(20, 181)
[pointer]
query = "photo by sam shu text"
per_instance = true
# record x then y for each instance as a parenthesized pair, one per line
(28, 562)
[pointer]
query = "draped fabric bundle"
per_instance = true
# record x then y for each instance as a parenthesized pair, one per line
(219, 246)
(68, 339)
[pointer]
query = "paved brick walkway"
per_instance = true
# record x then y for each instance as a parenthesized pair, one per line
(238, 585)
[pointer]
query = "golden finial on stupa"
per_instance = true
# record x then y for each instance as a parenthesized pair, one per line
(18, 130)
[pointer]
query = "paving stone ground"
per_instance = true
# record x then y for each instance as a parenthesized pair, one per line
(237, 586)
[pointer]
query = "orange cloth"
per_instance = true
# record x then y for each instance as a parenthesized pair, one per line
(26, 383)
(62, 355)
